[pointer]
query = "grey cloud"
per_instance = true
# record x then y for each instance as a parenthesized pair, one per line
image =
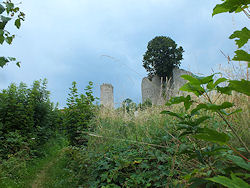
(104, 41)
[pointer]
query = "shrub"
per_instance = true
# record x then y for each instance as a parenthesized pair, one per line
(27, 117)
(78, 114)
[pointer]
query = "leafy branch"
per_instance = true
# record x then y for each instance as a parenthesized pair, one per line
(8, 12)
(242, 36)
(193, 123)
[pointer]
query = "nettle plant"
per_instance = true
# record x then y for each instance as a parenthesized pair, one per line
(241, 36)
(193, 124)
(218, 155)
(9, 11)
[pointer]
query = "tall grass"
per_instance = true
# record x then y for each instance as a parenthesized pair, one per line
(143, 126)
(116, 130)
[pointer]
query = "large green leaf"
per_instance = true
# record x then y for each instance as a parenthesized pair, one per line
(199, 182)
(201, 120)
(241, 55)
(220, 80)
(212, 136)
(212, 107)
(185, 133)
(191, 79)
(230, 113)
(230, 6)
(198, 80)
(196, 89)
(242, 86)
(222, 106)
(2, 9)
(18, 23)
(195, 83)
(198, 108)
(215, 151)
(9, 6)
(239, 161)
(172, 114)
(206, 79)
(225, 90)
(5, 60)
(242, 36)
(3, 21)
(212, 85)
(18, 64)
(1, 36)
(9, 39)
(177, 100)
(235, 182)
(241, 183)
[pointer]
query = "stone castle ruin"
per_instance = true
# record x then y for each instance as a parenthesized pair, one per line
(158, 92)
(155, 90)
(151, 89)
(107, 95)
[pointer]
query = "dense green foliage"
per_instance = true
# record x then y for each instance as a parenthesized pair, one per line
(27, 118)
(218, 154)
(223, 159)
(117, 154)
(79, 113)
(122, 166)
(197, 150)
(8, 12)
(162, 56)
(197, 140)
(28, 121)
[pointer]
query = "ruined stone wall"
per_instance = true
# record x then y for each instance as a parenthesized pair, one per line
(151, 89)
(159, 92)
(178, 82)
(107, 95)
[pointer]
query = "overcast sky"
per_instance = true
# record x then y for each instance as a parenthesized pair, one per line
(104, 41)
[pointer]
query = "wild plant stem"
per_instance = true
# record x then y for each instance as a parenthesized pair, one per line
(228, 124)
(235, 133)
(237, 152)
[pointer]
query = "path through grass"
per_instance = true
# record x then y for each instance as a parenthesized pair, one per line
(54, 174)
(47, 171)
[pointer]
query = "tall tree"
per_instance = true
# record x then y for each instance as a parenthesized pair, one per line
(162, 56)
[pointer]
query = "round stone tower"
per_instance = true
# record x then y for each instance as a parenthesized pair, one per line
(107, 95)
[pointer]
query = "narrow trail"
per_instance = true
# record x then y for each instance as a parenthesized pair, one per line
(38, 182)
(41, 176)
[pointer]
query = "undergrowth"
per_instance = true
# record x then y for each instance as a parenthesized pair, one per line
(21, 170)
(144, 150)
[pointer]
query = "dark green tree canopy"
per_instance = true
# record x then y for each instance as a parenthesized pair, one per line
(162, 56)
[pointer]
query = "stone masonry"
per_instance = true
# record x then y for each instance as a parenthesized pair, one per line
(151, 89)
(107, 95)
(158, 92)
